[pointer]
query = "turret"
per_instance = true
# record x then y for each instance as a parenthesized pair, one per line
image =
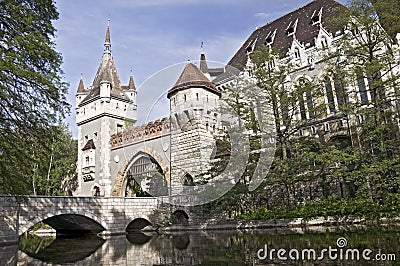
(81, 92)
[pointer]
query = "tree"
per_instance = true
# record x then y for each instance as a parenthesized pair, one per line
(370, 72)
(32, 93)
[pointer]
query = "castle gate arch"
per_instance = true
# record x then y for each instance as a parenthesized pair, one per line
(143, 175)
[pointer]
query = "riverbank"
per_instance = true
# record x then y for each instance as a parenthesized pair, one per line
(279, 223)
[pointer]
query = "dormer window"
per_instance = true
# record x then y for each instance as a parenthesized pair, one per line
(249, 50)
(268, 40)
(250, 47)
(291, 29)
(315, 20)
(316, 17)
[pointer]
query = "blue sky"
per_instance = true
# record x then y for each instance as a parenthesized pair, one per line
(150, 35)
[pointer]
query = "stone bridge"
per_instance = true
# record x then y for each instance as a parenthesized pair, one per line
(100, 215)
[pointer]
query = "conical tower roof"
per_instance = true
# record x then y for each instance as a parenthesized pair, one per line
(192, 76)
(131, 85)
(81, 87)
(107, 71)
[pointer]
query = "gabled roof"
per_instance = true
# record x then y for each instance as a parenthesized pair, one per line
(300, 21)
(192, 76)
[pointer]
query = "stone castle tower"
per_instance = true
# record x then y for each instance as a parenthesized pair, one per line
(194, 119)
(105, 108)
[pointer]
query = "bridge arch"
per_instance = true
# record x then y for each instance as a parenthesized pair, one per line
(138, 224)
(121, 180)
(179, 217)
(60, 221)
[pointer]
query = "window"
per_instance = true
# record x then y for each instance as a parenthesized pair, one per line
(340, 91)
(315, 19)
(303, 114)
(290, 31)
(249, 49)
(184, 97)
(324, 43)
(197, 96)
(310, 105)
(296, 53)
(362, 89)
(329, 94)
(207, 98)
(87, 160)
(119, 128)
(313, 130)
(327, 127)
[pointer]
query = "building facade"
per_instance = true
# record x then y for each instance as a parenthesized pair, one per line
(114, 154)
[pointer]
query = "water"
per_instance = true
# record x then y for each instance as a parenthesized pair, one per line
(211, 248)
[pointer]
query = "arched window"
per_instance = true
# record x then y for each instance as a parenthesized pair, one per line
(188, 180)
(329, 94)
(341, 96)
(306, 98)
(362, 89)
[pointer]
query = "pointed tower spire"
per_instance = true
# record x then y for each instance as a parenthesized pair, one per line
(81, 86)
(131, 85)
(107, 42)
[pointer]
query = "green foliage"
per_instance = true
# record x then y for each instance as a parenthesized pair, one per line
(32, 93)
(331, 206)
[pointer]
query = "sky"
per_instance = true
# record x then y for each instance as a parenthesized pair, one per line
(148, 36)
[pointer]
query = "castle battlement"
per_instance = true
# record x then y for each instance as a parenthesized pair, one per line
(140, 133)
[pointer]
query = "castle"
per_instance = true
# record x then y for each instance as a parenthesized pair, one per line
(174, 151)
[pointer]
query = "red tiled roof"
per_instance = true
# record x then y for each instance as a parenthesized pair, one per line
(192, 76)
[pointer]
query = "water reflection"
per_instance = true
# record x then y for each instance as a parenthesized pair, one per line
(203, 248)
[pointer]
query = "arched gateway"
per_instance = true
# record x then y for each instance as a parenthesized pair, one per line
(144, 177)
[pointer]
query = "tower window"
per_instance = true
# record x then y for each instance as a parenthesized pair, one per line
(296, 53)
(197, 96)
(184, 97)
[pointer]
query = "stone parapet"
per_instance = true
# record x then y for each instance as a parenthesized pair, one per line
(140, 133)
